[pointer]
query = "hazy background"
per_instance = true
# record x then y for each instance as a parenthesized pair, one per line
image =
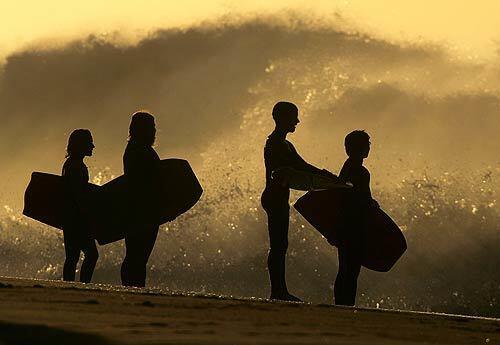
(421, 79)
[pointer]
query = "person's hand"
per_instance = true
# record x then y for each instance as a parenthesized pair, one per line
(279, 176)
(329, 174)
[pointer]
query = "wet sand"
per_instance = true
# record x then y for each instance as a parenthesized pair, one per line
(53, 312)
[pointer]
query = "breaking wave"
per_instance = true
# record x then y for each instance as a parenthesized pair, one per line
(432, 120)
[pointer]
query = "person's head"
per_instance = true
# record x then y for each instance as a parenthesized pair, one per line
(357, 144)
(286, 116)
(142, 128)
(80, 143)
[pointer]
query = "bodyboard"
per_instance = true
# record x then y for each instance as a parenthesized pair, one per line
(383, 242)
(307, 181)
(179, 190)
(45, 199)
(109, 208)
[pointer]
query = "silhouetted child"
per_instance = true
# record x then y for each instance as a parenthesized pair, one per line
(357, 146)
(77, 236)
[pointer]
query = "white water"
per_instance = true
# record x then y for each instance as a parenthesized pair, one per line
(433, 122)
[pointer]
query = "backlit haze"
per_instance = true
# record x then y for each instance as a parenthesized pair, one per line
(470, 27)
(422, 78)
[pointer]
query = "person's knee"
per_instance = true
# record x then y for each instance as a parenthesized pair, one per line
(348, 273)
(142, 262)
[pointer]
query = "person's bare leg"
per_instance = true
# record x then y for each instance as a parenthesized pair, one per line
(150, 239)
(276, 260)
(346, 282)
(72, 250)
(89, 261)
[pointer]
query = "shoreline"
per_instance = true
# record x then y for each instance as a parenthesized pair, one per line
(119, 315)
(174, 293)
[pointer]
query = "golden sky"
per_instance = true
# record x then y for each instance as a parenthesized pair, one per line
(469, 26)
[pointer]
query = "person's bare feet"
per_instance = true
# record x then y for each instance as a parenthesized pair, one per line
(285, 297)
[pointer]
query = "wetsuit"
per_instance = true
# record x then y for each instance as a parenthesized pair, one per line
(279, 153)
(350, 243)
(77, 236)
(141, 169)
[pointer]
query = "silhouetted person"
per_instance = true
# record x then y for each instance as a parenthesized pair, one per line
(280, 153)
(77, 236)
(141, 169)
(357, 146)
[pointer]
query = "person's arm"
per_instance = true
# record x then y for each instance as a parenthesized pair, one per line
(76, 177)
(301, 164)
(276, 154)
(373, 202)
(133, 166)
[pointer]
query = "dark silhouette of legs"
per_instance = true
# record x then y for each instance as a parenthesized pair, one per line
(90, 260)
(125, 269)
(139, 246)
(276, 260)
(72, 250)
(346, 282)
(278, 244)
(74, 242)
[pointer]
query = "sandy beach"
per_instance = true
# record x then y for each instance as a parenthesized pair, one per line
(54, 312)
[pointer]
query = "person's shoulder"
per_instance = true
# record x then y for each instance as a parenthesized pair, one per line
(288, 144)
(73, 166)
(130, 147)
(133, 149)
(67, 162)
(347, 164)
(365, 170)
(71, 162)
(347, 168)
(274, 140)
(153, 153)
(271, 138)
(140, 153)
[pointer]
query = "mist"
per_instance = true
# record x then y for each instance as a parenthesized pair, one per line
(433, 121)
